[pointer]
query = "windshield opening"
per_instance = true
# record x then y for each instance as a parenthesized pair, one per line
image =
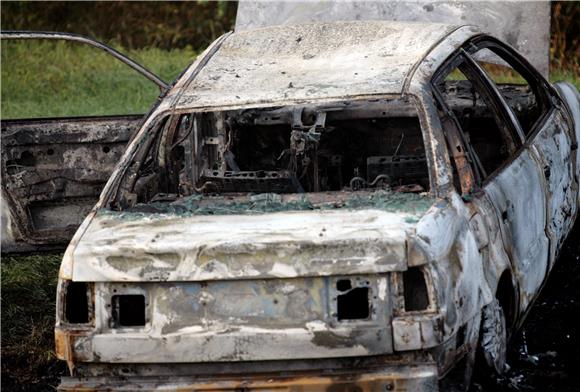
(349, 146)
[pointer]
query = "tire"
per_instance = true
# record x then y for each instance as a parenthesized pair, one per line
(490, 361)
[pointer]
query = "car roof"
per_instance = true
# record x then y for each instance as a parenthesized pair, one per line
(308, 62)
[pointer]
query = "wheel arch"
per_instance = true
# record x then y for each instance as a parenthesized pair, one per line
(506, 294)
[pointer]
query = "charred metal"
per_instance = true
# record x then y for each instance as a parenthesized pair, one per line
(53, 172)
(345, 216)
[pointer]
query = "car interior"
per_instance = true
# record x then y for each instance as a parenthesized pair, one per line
(347, 146)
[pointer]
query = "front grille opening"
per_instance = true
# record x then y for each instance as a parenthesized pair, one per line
(354, 305)
(129, 310)
(77, 303)
(415, 290)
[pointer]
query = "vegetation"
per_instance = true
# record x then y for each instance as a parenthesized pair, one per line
(565, 37)
(57, 78)
(28, 308)
(131, 24)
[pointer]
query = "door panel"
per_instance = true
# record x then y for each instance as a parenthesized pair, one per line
(554, 147)
(53, 171)
(518, 195)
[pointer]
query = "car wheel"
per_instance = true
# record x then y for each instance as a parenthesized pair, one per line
(492, 346)
(493, 337)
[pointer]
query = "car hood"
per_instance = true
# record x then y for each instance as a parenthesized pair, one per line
(183, 246)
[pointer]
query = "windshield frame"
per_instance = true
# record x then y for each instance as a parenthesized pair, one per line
(128, 166)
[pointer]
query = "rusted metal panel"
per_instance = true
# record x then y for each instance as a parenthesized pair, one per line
(385, 378)
(508, 20)
(237, 321)
(52, 173)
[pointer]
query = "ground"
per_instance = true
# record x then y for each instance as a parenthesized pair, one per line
(544, 354)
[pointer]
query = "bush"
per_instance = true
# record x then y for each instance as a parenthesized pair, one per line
(134, 25)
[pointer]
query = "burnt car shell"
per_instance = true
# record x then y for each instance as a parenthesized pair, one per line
(181, 282)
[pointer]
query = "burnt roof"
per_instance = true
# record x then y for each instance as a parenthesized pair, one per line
(311, 61)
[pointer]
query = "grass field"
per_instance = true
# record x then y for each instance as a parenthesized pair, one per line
(28, 306)
(53, 79)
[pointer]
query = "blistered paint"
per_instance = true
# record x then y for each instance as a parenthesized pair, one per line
(571, 100)
(554, 147)
(523, 221)
(169, 247)
(251, 282)
(300, 62)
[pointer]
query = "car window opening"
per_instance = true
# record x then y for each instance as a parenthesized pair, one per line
(352, 146)
(490, 143)
(520, 93)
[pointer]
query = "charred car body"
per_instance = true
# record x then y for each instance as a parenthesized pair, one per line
(327, 206)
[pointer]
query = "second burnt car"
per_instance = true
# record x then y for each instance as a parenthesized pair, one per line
(327, 206)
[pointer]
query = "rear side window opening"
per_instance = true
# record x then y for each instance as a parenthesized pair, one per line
(471, 89)
(523, 92)
(347, 146)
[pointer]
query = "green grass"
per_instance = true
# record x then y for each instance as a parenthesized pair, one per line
(559, 75)
(28, 311)
(53, 79)
(499, 75)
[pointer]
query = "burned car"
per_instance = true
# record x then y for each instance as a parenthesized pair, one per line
(338, 206)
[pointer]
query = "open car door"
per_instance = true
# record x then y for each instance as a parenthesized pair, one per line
(53, 169)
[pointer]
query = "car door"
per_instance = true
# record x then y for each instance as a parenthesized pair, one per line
(548, 134)
(53, 169)
(507, 178)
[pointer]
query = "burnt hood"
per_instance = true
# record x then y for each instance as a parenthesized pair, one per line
(116, 246)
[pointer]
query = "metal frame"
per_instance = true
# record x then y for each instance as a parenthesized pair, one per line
(15, 35)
